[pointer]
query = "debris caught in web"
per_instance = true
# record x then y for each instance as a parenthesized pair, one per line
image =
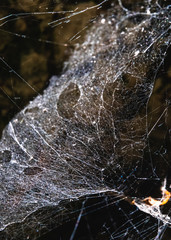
(91, 133)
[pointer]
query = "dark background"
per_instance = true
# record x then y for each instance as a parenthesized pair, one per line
(31, 52)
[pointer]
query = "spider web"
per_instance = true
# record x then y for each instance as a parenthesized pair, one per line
(89, 143)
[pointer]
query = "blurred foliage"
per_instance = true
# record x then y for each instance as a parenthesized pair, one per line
(32, 50)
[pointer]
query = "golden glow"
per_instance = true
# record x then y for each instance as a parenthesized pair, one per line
(151, 201)
(166, 195)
